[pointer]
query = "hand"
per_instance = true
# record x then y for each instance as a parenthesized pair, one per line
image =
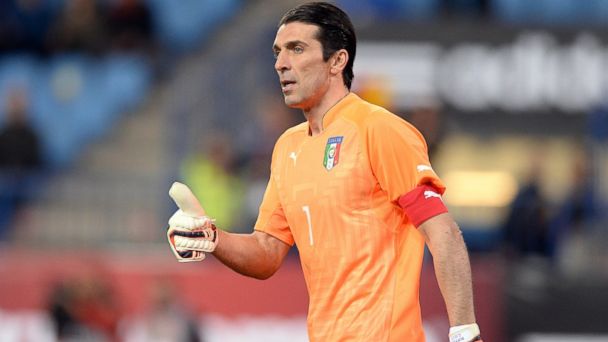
(191, 236)
(191, 232)
(191, 244)
(465, 333)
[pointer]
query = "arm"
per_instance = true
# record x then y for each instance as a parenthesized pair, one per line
(258, 255)
(399, 159)
(191, 234)
(452, 267)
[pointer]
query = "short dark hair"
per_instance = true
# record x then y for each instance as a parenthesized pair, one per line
(336, 31)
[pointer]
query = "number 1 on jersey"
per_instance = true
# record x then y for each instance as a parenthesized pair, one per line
(306, 210)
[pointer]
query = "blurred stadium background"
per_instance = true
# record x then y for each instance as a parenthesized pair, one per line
(103, 104)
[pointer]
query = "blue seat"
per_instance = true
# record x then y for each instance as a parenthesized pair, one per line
(419, 9)
(514, 11)
(561, 11)
(183, 24)
(596, 11)
(69, 109)
(391, 9)
(552, 12)
(124, 81)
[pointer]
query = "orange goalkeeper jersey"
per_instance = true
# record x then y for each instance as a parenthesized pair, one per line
(335, 196)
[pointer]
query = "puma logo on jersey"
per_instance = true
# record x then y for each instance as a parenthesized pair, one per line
(430, 193)
(293, 156)
(423, 167)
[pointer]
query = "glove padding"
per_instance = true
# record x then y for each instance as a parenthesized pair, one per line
(191, 236)
(465, 333)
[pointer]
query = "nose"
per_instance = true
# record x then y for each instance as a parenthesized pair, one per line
(282, 62)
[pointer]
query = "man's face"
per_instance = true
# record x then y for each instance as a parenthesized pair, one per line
(303, 74)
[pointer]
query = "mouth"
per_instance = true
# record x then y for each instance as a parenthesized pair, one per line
(287, 85)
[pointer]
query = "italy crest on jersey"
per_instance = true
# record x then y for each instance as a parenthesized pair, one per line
(332, 152)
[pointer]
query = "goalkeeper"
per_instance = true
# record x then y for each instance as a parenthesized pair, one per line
(353, 188)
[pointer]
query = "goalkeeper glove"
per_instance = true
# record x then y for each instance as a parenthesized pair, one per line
(191, 236)
(465, 333)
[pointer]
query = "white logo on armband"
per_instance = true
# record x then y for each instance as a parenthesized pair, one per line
(429, 193)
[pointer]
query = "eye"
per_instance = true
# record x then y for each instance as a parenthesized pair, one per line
(298, 49)
(275, 53)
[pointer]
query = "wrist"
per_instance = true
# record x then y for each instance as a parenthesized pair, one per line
(465, 333)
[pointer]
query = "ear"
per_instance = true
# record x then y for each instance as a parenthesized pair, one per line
(338, 61)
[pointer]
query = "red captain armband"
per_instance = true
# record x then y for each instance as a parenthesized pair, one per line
(422, 203)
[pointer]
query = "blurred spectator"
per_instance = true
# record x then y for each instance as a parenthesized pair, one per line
(84, 310)
(579, 207)
(20, 157)
(457, 8)
(79, 27)
(272, 118)
(130, 24)
(166, 321)
(527, 226)
(19, 142)
(574, 226)
(429, 122)
(8, 26)
(210, 174)
(24, 25)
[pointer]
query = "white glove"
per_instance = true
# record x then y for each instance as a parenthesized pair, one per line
(465, 333)
(191, 232)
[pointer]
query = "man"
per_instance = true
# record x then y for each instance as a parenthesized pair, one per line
(353, 188)
(20, 158)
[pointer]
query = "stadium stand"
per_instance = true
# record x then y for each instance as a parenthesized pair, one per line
(78, 98)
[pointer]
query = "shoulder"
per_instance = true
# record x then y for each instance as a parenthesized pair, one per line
(379, 121)
(288, 137)
(292, 132)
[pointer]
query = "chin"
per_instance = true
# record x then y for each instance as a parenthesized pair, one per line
(292, 102)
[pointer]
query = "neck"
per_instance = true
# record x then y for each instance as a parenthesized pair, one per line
(315, 114)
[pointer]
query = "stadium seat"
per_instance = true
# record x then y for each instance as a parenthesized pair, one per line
(183, 24)
(391, 9)
(124, 80)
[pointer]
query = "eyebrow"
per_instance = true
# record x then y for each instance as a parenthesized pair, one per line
(289, 44)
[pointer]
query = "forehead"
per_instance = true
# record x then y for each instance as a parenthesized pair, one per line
(296, 31)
